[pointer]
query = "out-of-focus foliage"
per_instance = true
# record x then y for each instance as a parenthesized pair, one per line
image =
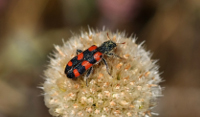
(29, 28)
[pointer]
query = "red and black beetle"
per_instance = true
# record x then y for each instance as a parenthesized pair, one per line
(86, 59)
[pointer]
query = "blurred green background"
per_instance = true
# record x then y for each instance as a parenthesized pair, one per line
(29, 28)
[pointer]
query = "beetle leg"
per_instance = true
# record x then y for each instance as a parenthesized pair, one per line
(78, 51)
(107, 68)
(88, 74)
(113, 54)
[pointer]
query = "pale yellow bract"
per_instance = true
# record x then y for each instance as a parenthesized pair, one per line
(131, 91)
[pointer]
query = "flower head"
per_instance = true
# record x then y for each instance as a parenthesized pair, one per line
(130, 90)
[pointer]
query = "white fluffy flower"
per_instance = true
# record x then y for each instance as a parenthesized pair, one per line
(131, 91)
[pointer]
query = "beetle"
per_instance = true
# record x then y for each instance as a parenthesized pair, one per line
(85, 60)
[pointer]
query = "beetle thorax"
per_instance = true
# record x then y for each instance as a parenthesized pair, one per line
(107, 46)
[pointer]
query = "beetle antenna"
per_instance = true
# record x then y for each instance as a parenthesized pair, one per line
(111, 40)
(108, 36)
